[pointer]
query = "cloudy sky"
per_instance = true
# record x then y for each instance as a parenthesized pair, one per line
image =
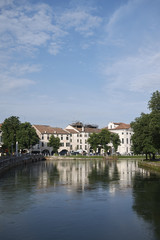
(90, 60)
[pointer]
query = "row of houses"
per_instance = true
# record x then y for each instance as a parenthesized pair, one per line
(74, 138)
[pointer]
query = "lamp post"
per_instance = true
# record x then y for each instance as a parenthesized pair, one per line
(12, 148)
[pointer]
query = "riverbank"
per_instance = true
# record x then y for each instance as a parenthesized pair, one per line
(151, 165)
(9, 162)
(94, 157)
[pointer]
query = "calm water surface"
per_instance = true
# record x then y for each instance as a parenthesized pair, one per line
(72, 200)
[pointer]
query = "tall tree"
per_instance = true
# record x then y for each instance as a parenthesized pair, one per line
(115, 140)
(154, 103)
(26, 136)
(104, 138)
(94, 142)
(146, 137)
(54, 142)
(10, 128)
(142, 140)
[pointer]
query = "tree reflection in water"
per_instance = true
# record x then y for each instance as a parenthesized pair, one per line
(146, 193)
(104, 174)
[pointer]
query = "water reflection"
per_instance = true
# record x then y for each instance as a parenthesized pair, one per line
(146, 192)
(96, 195)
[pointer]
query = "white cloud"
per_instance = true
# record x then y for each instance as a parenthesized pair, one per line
(12, 75)
(28, 26)
(5, 2)
(81, 20)
(9, 83)
(137, 73)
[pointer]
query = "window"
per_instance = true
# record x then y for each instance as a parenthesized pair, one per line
(122, 140)
(80, 146)
(80, 141)
(70, 140)
(127, 140)
(77, 147)
(67, 137)
(42, 144)
(77, 140)
(77, 135)
(67, 144)
(48, 136)
(122, 133)
(85, 135)
(42, 137)
(71, 135)
(61, 137)
(85, 140)
(80, 135)
(85, 147)
(71, 147)
(62, 144)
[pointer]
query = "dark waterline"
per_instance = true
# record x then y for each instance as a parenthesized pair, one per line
(66, 200)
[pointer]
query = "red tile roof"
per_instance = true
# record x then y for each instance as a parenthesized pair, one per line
(121, 126)
(49, 130)
(88, 130)
(71, 130)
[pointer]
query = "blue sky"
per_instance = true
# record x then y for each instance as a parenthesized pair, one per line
(66, 60)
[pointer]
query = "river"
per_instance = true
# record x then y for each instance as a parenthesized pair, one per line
(80, 199)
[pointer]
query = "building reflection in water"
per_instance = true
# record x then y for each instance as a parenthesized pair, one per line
(78, 175)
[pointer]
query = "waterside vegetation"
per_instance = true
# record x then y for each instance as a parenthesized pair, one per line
(146, 128)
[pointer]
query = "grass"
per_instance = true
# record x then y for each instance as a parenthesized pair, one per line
(84, 157)
(151, 165)
(133, 157)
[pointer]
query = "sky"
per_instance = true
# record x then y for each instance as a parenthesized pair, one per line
(61, 61)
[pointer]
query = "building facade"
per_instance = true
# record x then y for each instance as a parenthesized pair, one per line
(125, 133)
(45, 132)
(79, 134)
(74, 138)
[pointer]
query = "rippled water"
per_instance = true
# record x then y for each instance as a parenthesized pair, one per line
(66, 200)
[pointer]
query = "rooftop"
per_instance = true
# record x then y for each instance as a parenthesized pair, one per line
(49, 130)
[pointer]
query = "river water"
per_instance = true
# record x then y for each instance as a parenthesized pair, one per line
(72, 200)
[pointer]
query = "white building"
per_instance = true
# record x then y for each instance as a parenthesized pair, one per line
(125, 132)
(45, 132)
(79, 134)
(74, 138)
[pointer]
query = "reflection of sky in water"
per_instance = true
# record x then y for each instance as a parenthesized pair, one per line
(77, 199)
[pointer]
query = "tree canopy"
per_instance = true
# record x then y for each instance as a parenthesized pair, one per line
(14, 131)
(10, 128)
(146, 128)
(102, 140)
(154, 103)
(54, 142)
(27, 136)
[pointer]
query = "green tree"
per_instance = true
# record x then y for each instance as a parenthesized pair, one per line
(104, 139)
(115, 140)
(142, 139)
(146, 137)
(154, 103)
(94, 142)
(26, 136)
(154, 126)
(54, 142)
(10, 128)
